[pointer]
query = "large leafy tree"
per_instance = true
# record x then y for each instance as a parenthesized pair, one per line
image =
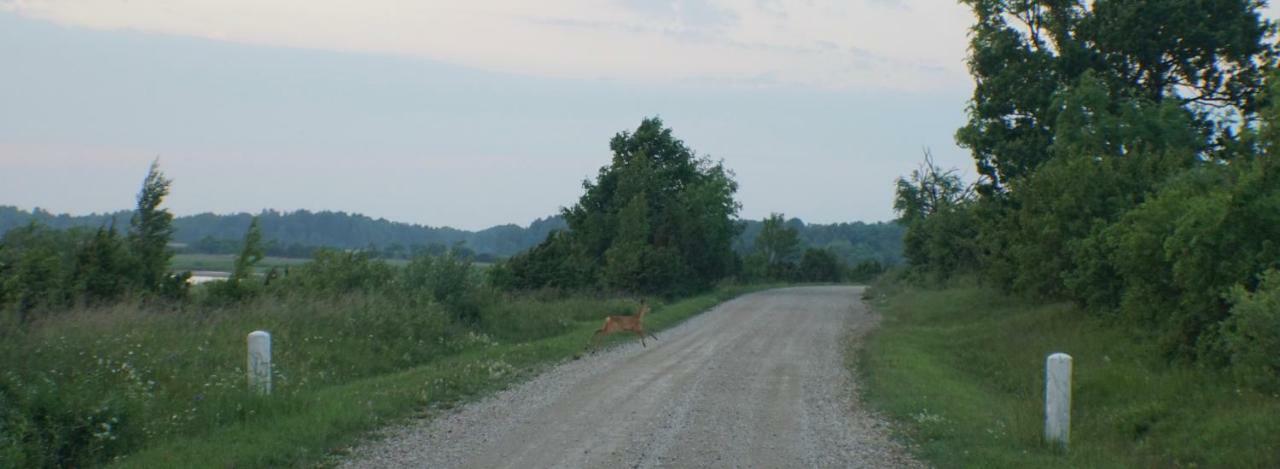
(1208, 57)
(1082, 109)
(658, 219)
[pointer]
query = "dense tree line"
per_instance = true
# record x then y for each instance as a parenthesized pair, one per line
(45, 269)
(780, 252)
(1127, 154)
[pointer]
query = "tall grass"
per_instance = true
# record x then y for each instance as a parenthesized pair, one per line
(962, 369)
(151, 387)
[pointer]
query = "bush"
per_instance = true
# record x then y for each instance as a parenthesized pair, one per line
(555, 263)
(332, 271)
(450, 280)
(866, 271)
(1179, 254)
(820, 265)
(1252, 334)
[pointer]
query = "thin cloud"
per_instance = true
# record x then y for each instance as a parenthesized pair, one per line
(795, 42)
(696, 14)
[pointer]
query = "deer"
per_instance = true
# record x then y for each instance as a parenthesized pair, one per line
(633, 323)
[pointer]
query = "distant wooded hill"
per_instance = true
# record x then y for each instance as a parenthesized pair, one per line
(297, 233)
(851, 242)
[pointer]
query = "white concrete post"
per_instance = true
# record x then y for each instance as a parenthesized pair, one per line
(1057, 399)
(260, 362)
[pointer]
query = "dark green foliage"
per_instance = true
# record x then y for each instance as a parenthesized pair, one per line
(1252, 334)
(658, 219)
(1177, 255)
(555, 263)
(852, 243)
(43, 269)
(102, 267)
(36, 264)
(820, 265)
(866, 271)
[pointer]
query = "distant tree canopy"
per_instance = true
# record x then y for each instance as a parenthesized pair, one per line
(657, 219)
(852, 243)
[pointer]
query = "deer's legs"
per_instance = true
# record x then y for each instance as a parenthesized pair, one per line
(595, 340)
(641, 334)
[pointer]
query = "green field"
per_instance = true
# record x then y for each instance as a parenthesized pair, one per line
(961, 370)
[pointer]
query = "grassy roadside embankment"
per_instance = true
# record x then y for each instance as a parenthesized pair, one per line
(310, 426)
(961, 370)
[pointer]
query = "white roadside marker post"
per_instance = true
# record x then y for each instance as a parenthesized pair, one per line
(1057, 400)
(260, 362)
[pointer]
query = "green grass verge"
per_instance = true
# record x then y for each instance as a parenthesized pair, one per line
(961, 370)
(310, 427)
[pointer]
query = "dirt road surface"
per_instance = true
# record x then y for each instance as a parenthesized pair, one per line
(758, 381)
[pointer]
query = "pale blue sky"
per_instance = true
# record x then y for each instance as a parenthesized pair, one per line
(492, 115)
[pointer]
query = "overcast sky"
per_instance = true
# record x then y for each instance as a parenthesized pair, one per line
(469, 114)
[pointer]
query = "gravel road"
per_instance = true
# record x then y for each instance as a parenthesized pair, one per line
(758, 381)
